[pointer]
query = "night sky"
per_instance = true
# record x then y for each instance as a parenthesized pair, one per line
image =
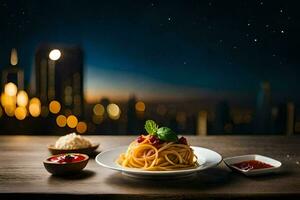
(165, 49)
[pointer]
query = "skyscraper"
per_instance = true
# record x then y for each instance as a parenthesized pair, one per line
(13, 73)
(59, 76)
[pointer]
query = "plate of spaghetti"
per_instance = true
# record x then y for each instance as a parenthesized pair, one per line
(159, 153)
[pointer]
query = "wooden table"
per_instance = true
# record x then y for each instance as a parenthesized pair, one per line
(22, 174)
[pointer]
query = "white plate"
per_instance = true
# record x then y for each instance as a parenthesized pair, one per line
(206, 159)
(232, 160)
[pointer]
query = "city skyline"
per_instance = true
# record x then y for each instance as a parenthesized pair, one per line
(189, 50)
(105, 89)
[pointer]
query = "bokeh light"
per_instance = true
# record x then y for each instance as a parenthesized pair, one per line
(81, 127)
(181, 117)
(22, 98)
(97, 119)
(114, 111)
(61, 120)
(54, 54)
(68, 100)
(20, 113)
(99, 109)
(35, 107)
(68, 90)
(10, 89)
(10, 110)
(14, 57)
(54, 107)
(8, 100)
(140, 106)
(72, 121)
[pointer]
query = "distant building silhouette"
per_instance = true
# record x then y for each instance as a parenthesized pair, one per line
(222, 121)
(202, 123)
(60, 76)
(132, 121)
(13, 73)
(290, 118)
(263, 111)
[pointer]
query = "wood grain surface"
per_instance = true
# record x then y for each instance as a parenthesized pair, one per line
(22, 174)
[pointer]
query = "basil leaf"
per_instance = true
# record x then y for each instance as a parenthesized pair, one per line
(151, 127)
(166, 134)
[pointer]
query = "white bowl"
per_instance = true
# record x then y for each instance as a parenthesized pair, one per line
(233, 160)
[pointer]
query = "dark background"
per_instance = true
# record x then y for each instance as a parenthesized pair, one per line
(188, 56)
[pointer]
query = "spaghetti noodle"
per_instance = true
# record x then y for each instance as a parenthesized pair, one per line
(152, 154)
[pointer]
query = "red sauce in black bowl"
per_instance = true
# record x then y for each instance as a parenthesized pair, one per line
(66, 158)
(252, 165)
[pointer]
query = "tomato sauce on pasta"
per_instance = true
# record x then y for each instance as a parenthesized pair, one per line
(150, 153)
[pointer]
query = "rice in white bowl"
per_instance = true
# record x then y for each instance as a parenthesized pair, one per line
(72, 141)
